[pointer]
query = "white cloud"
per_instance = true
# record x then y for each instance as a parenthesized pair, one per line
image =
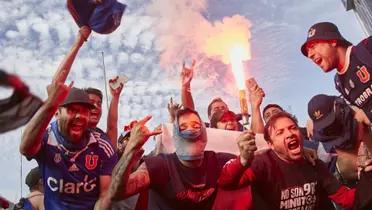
(38, 33)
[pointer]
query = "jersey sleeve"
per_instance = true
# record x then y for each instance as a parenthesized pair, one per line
(234, 175)
(40, 155)
(109, 157)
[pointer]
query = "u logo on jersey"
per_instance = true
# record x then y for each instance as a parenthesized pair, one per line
(363, 74)
(91, 161)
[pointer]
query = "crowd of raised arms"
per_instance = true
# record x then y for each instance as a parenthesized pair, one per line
(279, 165)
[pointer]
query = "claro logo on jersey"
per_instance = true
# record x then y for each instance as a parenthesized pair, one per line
(61, 186)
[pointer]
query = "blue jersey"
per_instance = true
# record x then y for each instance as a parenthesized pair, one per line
(71, 172)
(354, 80)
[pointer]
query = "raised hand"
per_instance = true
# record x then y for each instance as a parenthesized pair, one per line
(140, 134)
(172, 109)
(115, 92)
(57, 92)
(256, 93)
(247, 147)
(187, 74)
(84, 33)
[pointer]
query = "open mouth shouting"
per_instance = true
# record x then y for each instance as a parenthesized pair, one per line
(294, 148)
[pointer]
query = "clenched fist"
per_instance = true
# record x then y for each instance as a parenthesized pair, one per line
(247, 147)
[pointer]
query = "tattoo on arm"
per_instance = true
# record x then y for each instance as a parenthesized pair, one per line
(125, 184)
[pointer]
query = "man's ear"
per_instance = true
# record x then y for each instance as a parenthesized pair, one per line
(270, 144)
(56, 115)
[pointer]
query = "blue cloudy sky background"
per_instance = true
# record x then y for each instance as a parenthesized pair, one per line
(149, 47)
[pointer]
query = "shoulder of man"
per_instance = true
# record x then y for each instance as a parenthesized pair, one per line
(157, 168)
(103, 142)
(367, 42)
(223, 156)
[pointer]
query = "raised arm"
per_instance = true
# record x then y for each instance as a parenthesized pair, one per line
(172, 110)
(123, 183)
(65, 66)
(35, 129)
(186, 77)
(256, 95)
(112, 117)
(236, 172)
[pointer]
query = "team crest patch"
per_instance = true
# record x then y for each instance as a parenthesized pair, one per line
(91, 161)
(57, 158)
(311, 32)
(317, 115)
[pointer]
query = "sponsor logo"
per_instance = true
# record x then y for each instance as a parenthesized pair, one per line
(73, 168)
(364, 97)
(61, 186)
(91, 161)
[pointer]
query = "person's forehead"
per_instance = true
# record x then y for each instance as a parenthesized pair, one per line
(272, 109)
(219, 103)
(188, 117)
(94, 97)
(315, 42)
(282, 122)
(77, 106)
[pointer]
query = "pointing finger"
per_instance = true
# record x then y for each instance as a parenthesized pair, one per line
(145, 120)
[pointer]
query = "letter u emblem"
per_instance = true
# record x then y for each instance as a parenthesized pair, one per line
(363, 74)
(91, 161)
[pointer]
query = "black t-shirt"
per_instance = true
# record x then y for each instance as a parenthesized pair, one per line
(292, 186)
(174, 186)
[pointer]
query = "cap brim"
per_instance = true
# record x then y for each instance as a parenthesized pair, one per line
(325, 122)
(303, 49)
(84, 103)
(325, 38)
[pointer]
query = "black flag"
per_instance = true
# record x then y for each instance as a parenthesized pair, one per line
(18, 109)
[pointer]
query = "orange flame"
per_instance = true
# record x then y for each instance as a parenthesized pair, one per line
(230, 41)
(237, 54)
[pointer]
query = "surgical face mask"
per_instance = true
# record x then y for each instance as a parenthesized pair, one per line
(190, 143)
(190, 134)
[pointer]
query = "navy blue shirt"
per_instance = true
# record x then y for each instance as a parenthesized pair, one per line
(354, 81)
(71, 172)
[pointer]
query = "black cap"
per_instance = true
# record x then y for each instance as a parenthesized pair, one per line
(77, 96)
(321, 110)
(33, 177)
(323, 31)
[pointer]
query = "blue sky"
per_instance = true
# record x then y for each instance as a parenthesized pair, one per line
(35, 35)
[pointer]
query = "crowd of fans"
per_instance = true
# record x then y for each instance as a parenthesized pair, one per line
(325, 165)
